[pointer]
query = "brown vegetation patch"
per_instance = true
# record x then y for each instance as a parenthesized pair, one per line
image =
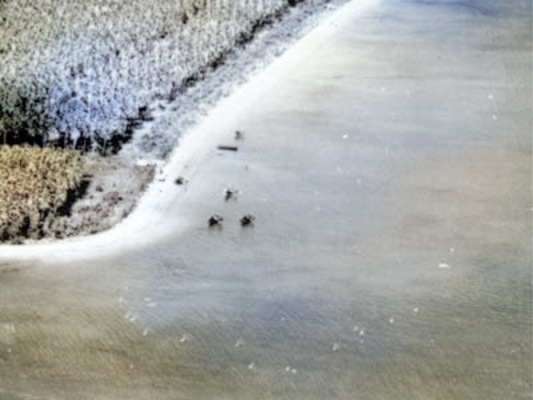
(34, 185)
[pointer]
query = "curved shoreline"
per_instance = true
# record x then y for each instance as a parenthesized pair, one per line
(194, 147)
(118, 181)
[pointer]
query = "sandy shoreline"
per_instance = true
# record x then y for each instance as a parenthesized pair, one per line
(197, 144)
(114, 184)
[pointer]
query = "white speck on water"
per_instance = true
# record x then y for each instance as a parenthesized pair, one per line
(294, 371)
(145, 332)
(443, 265)
(362, 332)
(287, 369)
(151, 304)
(494, 117)
(391, 321)
(147, 299)
(336, 346)
(356, 328)
(9, 350)
(239, 343)
(358, 181)
(121, 300)
(184, 339)
(131, 366)
(251, 366)
(490, 97)
(415, 309)
(345, 136)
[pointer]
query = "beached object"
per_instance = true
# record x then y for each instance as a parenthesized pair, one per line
(247, 220)
(228, 148)
(180, 180)
(215, 220)
(293, 3)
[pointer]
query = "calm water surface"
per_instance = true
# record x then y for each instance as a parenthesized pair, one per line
(390, 258)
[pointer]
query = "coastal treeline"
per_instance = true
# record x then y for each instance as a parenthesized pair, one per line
(81, 74)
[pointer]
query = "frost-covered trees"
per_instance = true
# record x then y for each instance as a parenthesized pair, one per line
(80, 74)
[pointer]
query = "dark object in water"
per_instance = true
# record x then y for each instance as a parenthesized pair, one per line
(180, 180)
(239, 135)
(215, 220)
(228, 148)
(247, 220)
(230, 194)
